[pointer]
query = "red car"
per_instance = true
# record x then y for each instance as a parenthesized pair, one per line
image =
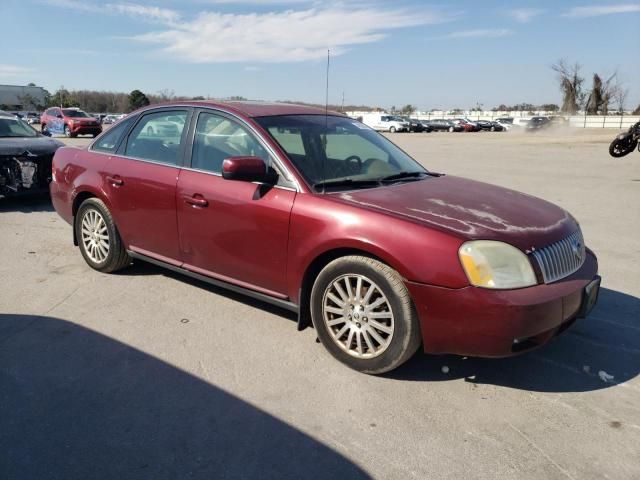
(69, 121)
(323, 216)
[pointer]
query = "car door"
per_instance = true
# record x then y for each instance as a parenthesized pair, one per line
(141, 183)
(235, 231)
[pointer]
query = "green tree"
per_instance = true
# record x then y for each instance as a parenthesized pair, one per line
(137, 99)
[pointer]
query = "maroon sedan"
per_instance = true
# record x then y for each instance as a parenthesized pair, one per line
(323, 216)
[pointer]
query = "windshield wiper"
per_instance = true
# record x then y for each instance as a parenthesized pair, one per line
(403, 176)
(347, 182)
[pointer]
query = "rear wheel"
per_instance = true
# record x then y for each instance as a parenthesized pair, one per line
(98, 238)
(364, 315)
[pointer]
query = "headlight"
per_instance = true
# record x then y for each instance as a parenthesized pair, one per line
(498, 265)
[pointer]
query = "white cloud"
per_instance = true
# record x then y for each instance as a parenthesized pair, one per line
(524, 15)
(163, 15)
(288, 36)
(486, 33)
(13, 70)
(144, 12)
(596, 11)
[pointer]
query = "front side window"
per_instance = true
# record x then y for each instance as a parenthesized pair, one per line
(217, 138)
(158, 137)
(110, 140)
(338, 149)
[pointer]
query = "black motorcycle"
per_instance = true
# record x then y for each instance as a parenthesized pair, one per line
(625, 143)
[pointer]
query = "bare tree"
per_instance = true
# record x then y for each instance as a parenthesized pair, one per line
(620, 96)
(570, 85)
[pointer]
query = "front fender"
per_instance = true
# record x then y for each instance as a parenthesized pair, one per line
(416, 252)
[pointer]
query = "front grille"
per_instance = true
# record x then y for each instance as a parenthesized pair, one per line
(561, 259)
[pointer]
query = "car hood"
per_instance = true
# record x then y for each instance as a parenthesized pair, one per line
(35, 145)
(470, 210)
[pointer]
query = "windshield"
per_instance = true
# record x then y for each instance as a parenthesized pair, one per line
(14, 127)
(75, 113)
(331, 149)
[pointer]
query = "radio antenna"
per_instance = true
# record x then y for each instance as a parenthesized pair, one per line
(326, 124)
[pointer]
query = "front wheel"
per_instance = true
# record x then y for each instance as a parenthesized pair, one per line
(451, 129)
(98, 238)
(620, 148)
(392, 130)
(363, 314)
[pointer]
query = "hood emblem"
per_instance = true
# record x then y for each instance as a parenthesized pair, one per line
(576, 247)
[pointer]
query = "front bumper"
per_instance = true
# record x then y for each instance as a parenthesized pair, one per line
(86, 129)
(500, 323)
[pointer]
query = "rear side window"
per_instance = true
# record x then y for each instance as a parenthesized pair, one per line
(109, 141)
(158, 137)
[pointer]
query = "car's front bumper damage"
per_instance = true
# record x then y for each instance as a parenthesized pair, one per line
(25, 173)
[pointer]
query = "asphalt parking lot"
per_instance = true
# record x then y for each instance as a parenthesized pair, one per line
(145, 374)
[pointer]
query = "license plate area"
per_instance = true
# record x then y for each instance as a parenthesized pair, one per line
(590, 297)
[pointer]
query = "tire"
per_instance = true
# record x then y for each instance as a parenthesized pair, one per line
(392, 130)
(452, 129)
(396, 332)
(88, 216)
(43, 127)
(620, 148)
(493, 129)
(67, 131)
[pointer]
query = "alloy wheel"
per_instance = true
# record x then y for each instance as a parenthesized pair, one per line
(358, 316)
(95, 236)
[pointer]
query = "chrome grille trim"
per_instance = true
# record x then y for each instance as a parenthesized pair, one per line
(561, 259)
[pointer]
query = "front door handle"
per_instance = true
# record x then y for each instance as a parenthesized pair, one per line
(196, 200)
(115, 180)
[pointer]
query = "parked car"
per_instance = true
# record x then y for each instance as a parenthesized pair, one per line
(440, 124)
(467, 125)
(25, 157)
(322, 216)
(32, 118)
(425, 125)
(489, 125)
(507, 123)
(415, 125)
(385, 123)
(69, 121)
(538, 123)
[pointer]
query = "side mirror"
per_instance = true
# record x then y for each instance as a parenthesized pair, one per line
(248, 169)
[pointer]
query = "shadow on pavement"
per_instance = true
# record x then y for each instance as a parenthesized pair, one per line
(27, 203)
(607, 341)
(75, 404)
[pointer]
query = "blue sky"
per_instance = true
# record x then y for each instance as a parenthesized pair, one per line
(432, 55)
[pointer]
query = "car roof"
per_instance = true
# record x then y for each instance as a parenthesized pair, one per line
(256, 108)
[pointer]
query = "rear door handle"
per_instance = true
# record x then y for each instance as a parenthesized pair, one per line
(196, 200)
(115, 180)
